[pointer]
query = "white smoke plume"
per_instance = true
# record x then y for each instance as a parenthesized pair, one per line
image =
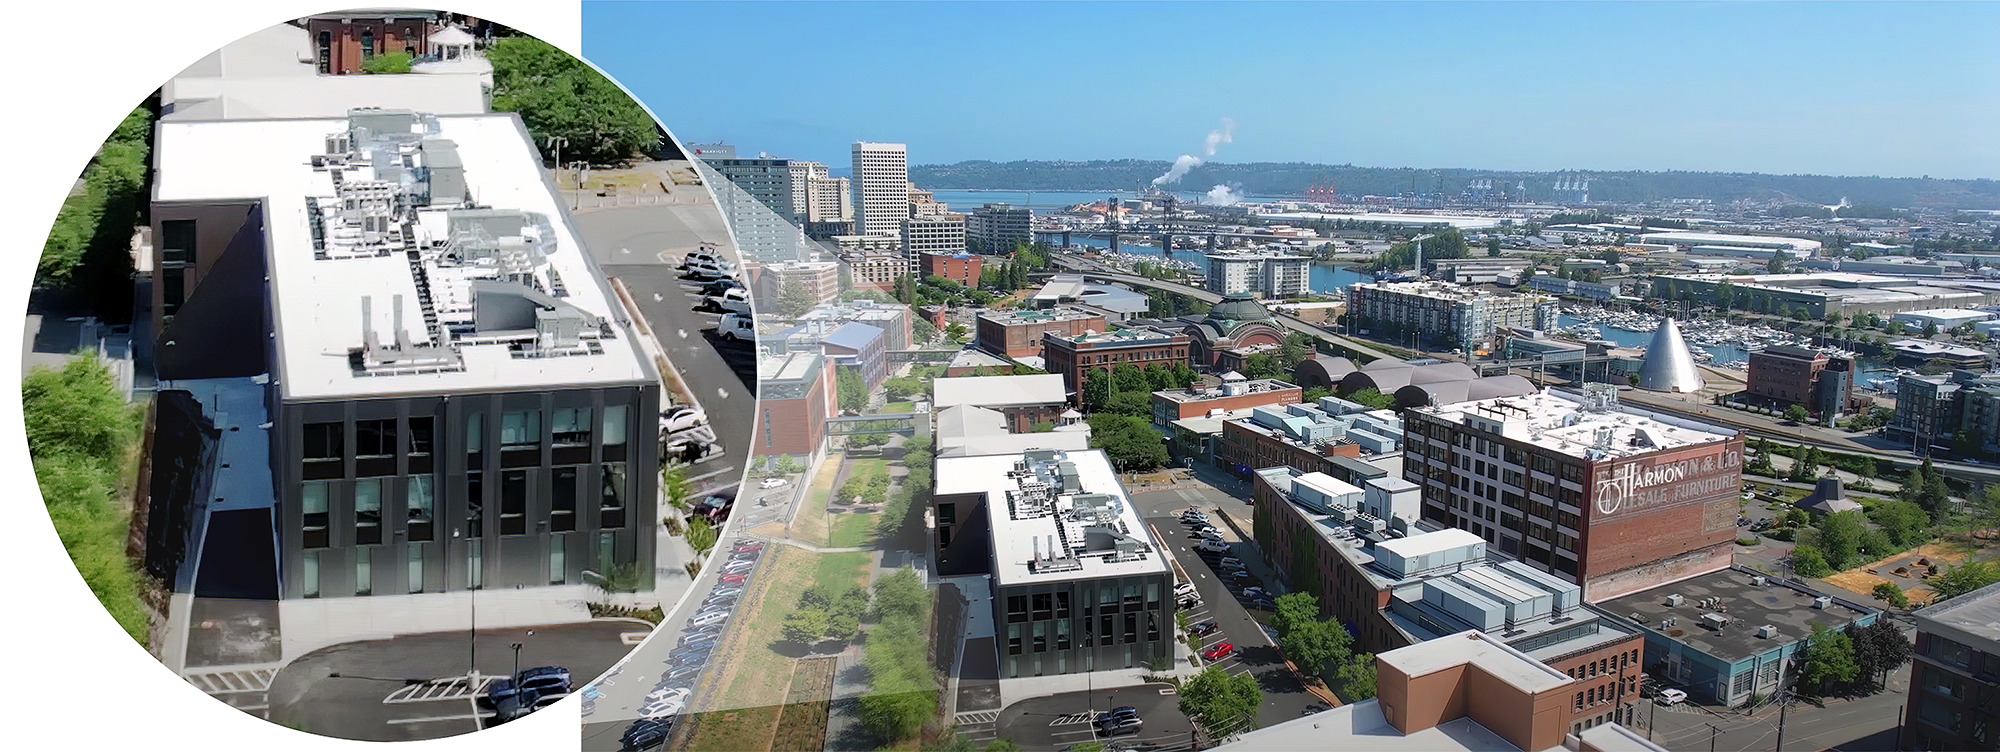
(1187, 162)
(1223, 195)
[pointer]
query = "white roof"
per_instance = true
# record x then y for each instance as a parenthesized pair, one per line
(1485, 653)
(999, 391)
(318, 302)
(1716, 238)
(1015, 542)
(1558, 421)
(1429, 543)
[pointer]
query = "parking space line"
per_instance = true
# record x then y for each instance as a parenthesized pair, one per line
(438, 718)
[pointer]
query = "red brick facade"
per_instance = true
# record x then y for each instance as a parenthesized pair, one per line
(1020, 335)
(963, 268)
(1075, 356)
(340, 43)
(1165, 406)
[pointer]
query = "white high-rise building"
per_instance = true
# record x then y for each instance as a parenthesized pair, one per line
(804, 174)
(881, 188)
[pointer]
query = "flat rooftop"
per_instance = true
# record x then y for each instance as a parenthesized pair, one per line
(1748, 606)
(788, 367)
(1260, 386)
(1481, 651)
(999, 391)
(318, 298)
(1043, 316)
(1977, 612)
(1361, 726)
(1561, 421)
(1449, 291)
(1133, 335)
(1055, 516)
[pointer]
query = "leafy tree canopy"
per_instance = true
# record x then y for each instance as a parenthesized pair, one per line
(561, 97)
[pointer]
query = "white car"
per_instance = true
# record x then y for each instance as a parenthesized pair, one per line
(1672, 697)
(1184, 588)
(665, 705)
(699, 257)
(1255, 592)
(739, 565)
(736, 327)
(1230, 562)
(680, 418)
(1211, 546)
(732, 300)
(707, 270)
(771, 483)
(1209, 535)
(708, 617)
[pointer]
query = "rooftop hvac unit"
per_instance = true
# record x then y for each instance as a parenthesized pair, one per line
(1767, 631)
(1758, 581)
(1822, 602)
(1675, 600)
(1714, 621)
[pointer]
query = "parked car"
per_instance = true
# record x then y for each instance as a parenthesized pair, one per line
(1211, 546)
(681, 673)
(733, 300)
(547, 680)
(681, 418)
(645, 733)
(508, 701)
(725, 591)
(739, 565)
(736, 328)
(707, 629)
(1204, 629)
(1218, 651)
(1184, 588)
(1230, 562)
(709, 617)
(769, 483)
(699, 639)
(706, 271)
(1119, 726)
(1671, 697)
(703, 256)
(1122, 711)
(1255, 592)
(668, 703)
(749, 546)
(718, 287)
(734, 578)
(1262, 602)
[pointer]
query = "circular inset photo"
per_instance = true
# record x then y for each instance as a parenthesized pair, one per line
(385, 378)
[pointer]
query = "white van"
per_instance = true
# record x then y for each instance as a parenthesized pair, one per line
(699, 257)
(732, 300)
(707, 270)
(736, 327)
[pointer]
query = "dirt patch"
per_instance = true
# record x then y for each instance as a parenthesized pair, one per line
(802, 722)
(810, 523)
(1863, 579)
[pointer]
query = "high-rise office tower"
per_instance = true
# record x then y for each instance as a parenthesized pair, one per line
(803, 175)
(881, 187)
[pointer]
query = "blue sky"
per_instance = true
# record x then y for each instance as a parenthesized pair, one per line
(1901, 89)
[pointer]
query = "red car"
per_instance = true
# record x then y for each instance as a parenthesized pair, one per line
(1218, 652)
(751, 547)
(736, 578)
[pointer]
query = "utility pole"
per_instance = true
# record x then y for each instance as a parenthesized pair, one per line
(1712, 732)
(1783, 705)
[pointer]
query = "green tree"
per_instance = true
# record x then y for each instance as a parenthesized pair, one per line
(805, 625)
(1493, 247)
(852, 390)
(793, 299)
(1960, 579)
(1219, 700)
(1356, 677)
(1130, 442)
(1314, 645)
(903, 387)
(1807, 561)
(1096, 390)
(1293, 609)
(1930, 329)
(1839, 537)
(388, 62)
(1828, 661)
(1776, 265)
(1372, 398)
(1002, 745)
(1878, 648)
(1905, 523)
(1797, 413)
(562, 99)
(1890, 593)
(675, 486)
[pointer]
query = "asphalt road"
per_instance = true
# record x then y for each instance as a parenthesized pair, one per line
(1222, 602)
(641, 246)
(1055, 722)
(377, 690)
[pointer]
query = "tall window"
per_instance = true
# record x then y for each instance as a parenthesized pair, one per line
(309, 574)
(367, 511)
(521, 430)
(475, 505)
(375, 438)
(324, 450)
(325, 53)
(562, 500)
(605, 550)
(475, 564)
(614, 424)
(611, 506)
(367, 44)
(570, 426)
(558, 574)
(364, 575)
(475, 435)
(420, 435)
(513, 502)
(173, 289)
(312, 501)
(416, 568)
(422, 498)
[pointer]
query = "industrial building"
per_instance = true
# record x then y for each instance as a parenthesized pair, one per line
(393, 311)
(1611, 497)
(1018, 334)
(1731, 634)
(1824, 384)
(1078, 583)
(1399, 581)
(1236, 393)
(1821, 293)
(1074, 356)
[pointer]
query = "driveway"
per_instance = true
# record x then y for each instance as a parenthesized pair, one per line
(417, 686)
(1056, 722)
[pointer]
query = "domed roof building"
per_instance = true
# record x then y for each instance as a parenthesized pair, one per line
(1235, 323)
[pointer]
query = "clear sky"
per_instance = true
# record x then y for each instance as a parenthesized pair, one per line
(1844, 88)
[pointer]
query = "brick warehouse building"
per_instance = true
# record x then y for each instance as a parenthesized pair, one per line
(1074, 356)
(1614, 498)
(341, 41)
(1018, 334)
(1395, 580)
(963, 268)
(1820, 382)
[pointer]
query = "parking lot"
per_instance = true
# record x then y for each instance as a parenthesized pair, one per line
(422, 686)
(1063, 721)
